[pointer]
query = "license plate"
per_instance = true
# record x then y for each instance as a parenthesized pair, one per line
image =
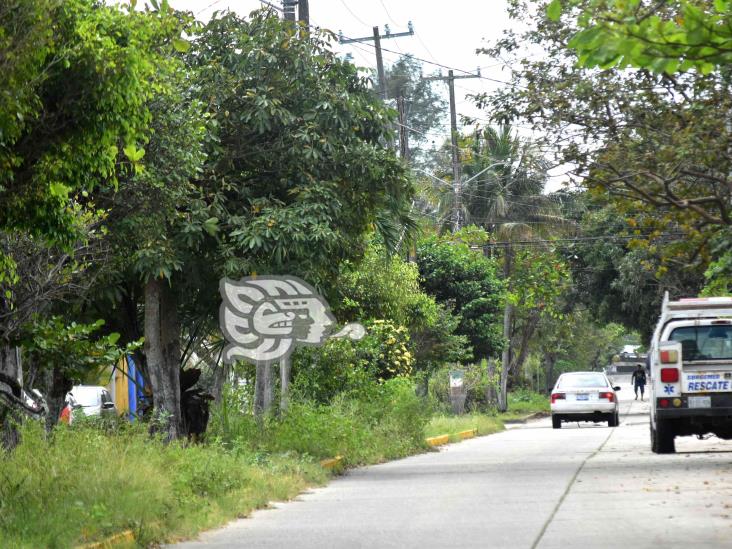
(583, 397)
(700, 402)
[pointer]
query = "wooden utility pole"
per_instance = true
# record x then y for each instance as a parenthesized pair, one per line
(380, 64)
(403, 133)
(457, 182)
(377, 38)
(303, 12)
(288, 10)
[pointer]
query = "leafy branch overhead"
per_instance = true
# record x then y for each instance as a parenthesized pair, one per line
(664, 37)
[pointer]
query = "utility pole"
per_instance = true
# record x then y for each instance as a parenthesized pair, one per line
(377, 38)
(288, 10)
(457, 182)
(303, 12)
(403, 133)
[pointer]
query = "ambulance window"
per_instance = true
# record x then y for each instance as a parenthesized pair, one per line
(704, 342)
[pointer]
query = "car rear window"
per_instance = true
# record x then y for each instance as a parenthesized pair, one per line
(581, 380)
(86, 396)
(704, 342)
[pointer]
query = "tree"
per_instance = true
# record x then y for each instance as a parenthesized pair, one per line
(76, 77)
(654, 145)
(385, 287)
(271, 161)
(503, 194)
(424, 108)
(663, 37)
(467, 282)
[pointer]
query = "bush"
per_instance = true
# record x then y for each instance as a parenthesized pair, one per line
(380, 421)
(475, 379)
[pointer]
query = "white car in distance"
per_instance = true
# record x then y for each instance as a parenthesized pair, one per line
(584, 396)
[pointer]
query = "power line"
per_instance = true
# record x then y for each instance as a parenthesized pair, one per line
(388, 14)
(353, 14)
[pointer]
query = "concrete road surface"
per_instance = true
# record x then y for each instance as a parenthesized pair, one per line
(531, 486)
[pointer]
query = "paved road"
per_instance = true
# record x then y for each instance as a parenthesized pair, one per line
(532, 486)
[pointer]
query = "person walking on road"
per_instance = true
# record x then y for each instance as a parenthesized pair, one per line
(638, 379)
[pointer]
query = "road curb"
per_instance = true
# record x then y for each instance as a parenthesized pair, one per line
(525, 419)
(332, 463)
(126, 536)
(470, 433)
(439, 440)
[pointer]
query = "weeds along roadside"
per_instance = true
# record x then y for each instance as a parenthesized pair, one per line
(85, 483)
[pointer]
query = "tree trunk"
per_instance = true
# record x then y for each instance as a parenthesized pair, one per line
(162, 351)
(221, 373)
(11, 368)
(507, 323)
(263, 390)
(491, 395)
(285, 367)
(58, 386)
(551, 360)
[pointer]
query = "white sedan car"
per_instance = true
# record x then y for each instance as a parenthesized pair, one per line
(584, 396)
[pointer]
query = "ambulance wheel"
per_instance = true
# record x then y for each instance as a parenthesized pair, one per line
(662, 437)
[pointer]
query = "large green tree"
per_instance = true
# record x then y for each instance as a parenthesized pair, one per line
(271, 159)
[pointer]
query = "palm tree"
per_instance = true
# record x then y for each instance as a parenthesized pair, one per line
(504, 179)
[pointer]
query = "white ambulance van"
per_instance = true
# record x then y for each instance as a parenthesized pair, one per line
(691, 371)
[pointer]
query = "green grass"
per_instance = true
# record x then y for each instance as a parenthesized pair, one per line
(451, 425)
(524, 402)
(520, 405)
(84, 483)
(81, 485)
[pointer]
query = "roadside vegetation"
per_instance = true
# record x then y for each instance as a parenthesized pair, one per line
(243, 145)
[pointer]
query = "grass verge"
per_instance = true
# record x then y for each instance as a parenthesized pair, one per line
(520, 405)
(81, 485)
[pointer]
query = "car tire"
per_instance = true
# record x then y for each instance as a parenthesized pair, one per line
(556, 422)
(662, 438)
(614, 420)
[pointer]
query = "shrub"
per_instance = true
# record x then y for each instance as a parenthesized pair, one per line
(379, 421)
(475, 379)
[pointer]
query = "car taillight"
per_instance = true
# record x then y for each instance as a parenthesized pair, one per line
(557, 396)
(609, 396)
(669, 357)
(669, 375)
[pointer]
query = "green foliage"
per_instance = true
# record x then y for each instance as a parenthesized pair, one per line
(475, 380)
(77, 78)
(321, 373)
(298, 172)
(342, 366)
(386, 349)
(380, 421)
(81, 484)
(74, 348)
(383, 287)
(668, 37)
(540, 280)
(467, 282)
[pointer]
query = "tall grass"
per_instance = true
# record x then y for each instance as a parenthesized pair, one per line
(81, 484)
(383, 421)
